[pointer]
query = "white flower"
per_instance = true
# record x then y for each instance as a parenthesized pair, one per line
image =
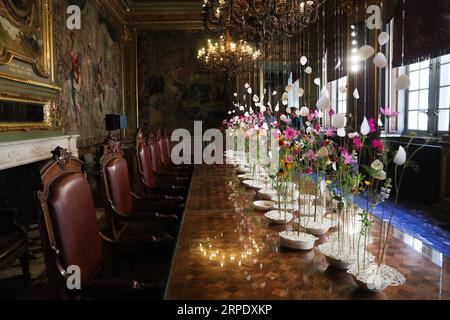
(400, 157)
(377, 165)
(380, 175)
(304, 111)
(283, 117)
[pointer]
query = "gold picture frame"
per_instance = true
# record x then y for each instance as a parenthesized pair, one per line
(38, 25)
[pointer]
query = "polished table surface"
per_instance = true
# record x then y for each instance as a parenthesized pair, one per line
(227, 250)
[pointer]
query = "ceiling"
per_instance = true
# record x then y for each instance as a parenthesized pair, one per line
(160, 14)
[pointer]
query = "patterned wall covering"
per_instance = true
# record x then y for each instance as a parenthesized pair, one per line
(88, 67)
(173, 90)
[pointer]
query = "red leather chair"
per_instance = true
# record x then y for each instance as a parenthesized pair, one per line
(151, 184)
(165, 173)
(70, 235)
(165, 155)
(127, 211)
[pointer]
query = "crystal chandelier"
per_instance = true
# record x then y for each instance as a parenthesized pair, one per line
(258, 21)
(228, 56)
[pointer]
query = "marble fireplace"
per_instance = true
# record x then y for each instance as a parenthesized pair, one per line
(19, 164)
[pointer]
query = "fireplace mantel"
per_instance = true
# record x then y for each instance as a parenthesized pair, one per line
(22, 152)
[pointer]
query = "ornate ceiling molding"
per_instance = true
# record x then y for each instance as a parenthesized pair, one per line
(159, 14)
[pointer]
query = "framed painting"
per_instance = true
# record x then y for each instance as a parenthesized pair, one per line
(25, 40)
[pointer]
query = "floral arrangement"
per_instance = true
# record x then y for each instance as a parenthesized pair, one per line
(326, 167)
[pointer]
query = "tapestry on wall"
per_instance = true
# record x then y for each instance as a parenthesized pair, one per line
(88, 69)
(173, 90)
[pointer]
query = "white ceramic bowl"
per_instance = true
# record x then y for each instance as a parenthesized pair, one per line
(279, 217)
(263, 205)
(244, 176)
(297, 240)
(267, 194)
(317, 228)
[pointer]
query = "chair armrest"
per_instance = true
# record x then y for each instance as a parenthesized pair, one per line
(112, 288)
(167, 186)
(170, 175)
(166, 206)
(153, 216)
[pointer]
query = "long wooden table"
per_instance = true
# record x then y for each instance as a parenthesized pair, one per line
(227, 250)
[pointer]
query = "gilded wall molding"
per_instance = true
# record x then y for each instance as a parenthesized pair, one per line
(30, 82)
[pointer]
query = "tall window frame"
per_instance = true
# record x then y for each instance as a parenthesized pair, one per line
(427, 101)
(339, 100)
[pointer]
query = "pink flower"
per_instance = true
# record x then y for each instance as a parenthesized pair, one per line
(346, 156)
(312, 115)
(290, 133)
(387, 112)
(372, 125)
(276, 134)
(329, 133)
(357, 143)
(316, 126)
(331, 112)
(377, 145)
(311, 155)
(308, 171)
(315, 131)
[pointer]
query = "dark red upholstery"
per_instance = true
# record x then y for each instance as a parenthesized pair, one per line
(125, 206)
(176, 173)
(163, 152)
(167, 149)
(73, 218)
(145, 165)
(70, 236)
(154, 151)
(116, 172)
